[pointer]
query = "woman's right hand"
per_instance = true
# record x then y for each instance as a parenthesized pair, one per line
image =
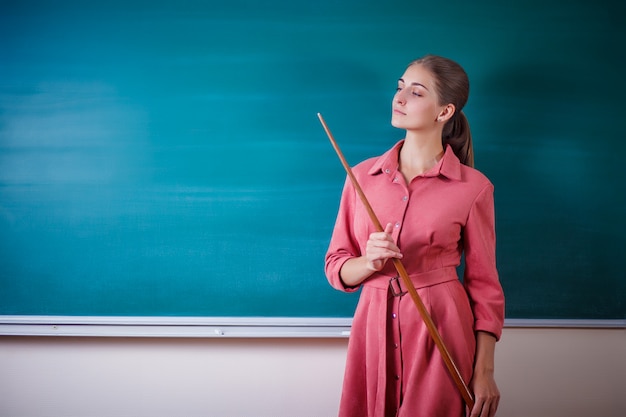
(380, 248)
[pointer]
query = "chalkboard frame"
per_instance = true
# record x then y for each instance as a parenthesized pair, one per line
(530, 125)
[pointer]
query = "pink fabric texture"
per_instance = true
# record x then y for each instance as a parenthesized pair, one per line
(393, 367)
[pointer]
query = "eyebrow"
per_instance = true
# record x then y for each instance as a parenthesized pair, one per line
(417, 84)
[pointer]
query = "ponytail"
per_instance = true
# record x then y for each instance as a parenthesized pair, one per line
(457, 134)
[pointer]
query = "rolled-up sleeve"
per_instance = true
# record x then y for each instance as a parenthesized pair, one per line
(481, 276)
(343, 244)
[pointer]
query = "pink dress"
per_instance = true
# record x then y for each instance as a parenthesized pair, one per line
(393, 367)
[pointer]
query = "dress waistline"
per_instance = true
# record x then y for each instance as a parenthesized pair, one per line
(421, 280)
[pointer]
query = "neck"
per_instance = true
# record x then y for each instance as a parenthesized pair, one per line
(419, 154)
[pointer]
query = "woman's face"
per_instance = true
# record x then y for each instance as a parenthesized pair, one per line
(415, 105)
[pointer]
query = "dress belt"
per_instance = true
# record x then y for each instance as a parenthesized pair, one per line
(421, 280)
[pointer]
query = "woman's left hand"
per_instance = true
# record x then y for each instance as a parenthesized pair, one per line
(486, 394)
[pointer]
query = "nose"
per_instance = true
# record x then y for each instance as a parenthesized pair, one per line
(400, 99)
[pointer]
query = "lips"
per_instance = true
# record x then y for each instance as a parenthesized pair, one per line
(396, 111)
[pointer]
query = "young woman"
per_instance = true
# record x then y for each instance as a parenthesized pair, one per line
(436, 207)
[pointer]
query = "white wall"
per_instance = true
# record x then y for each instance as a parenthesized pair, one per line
(541, 372)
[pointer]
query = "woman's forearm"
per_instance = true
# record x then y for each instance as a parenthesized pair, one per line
(380, 247)
(354, 271)
(485, 352)
(486, 393)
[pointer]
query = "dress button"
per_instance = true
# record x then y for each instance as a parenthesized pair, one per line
(387, 171)
(397, 224)
(405, 198)
(394, 315)
(395, 346)
(397, 377)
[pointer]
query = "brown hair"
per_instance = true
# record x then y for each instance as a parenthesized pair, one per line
(452, 87)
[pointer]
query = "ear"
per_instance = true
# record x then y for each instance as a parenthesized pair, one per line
(446, 113)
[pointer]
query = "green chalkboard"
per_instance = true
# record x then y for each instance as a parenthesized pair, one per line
(164, 158)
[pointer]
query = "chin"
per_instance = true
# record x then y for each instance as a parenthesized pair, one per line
(396, 123)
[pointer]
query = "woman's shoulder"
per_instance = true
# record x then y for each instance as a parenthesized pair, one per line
(475, 178)
(376, 164)
(453, 169)
(474, 173)
(366, 165)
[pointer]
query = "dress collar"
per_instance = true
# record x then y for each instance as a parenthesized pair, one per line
(448, 166)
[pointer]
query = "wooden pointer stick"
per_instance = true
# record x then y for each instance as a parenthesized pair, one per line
(434, 333)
